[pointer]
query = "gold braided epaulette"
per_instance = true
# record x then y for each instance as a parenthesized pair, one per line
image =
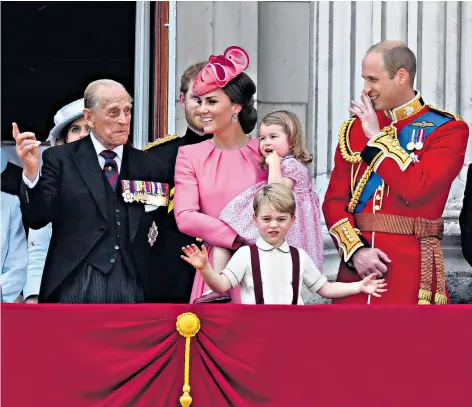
(445, 112)
(344, 145)
(160, 141)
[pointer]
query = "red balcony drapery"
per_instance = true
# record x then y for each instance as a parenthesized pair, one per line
(278, 356)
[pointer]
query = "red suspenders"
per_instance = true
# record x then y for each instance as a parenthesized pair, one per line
(256, 274)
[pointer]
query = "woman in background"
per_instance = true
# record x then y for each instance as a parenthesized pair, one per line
(70, 124)
(13, 254)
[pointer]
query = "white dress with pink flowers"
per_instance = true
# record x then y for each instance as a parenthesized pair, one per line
(306, 230)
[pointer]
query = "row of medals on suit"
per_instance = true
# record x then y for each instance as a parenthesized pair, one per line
(156, 200)
(139, 191)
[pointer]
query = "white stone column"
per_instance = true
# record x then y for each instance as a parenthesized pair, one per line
(141, 74)
(322, 66)
(209, 27)
(283, 58)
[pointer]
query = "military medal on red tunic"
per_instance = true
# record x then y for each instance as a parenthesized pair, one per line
(416, 143)
(411, 145)
(419, 143)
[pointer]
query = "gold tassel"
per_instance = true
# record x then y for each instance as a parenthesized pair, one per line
(424, 296)
(188, 326)
(440, 299)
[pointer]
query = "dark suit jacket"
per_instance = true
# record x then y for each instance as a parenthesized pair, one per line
(175, 278)
(465, 219)
(166, 151)
(71, 194)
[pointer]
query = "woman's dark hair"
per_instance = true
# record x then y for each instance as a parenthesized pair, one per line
(64, 131)
(241, 91)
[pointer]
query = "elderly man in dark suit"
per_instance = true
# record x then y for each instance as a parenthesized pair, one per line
(465, 219)
(101, 242)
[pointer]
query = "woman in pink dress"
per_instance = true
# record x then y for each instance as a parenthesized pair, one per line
(210, 174)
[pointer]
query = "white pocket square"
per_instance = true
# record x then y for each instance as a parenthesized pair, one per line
(149, 208)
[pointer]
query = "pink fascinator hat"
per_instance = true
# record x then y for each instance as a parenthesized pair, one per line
(220, 70)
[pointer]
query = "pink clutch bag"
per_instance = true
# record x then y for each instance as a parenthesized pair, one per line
(213, 298)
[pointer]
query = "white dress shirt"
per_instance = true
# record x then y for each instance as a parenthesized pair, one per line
(98, 149)
(276, 273)
(38, 246)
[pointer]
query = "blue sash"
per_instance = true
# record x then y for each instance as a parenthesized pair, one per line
(429, 121)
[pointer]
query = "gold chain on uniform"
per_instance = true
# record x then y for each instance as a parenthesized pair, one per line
(355, 158)
(344, 146)
(360, 187)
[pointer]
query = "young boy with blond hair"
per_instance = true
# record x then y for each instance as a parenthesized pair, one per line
(272, 272)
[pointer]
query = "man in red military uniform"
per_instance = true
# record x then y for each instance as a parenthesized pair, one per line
(394, 165)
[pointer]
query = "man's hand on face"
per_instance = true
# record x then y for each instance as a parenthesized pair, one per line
(366, 113)
(27, 149)
(369, 261)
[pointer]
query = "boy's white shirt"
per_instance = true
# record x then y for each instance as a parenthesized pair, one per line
(276, 273)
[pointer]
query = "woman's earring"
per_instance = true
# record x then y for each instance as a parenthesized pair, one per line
(234, 118)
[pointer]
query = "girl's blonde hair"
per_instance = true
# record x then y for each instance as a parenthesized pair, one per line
(293, 129)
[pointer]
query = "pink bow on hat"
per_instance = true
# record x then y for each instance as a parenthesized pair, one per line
(220, 70)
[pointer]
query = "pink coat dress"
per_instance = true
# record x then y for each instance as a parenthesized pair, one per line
(206, 179)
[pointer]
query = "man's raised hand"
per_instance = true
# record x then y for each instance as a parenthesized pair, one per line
(27, 149)
(366, 113)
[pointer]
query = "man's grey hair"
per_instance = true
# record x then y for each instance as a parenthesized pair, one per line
(91, 98)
